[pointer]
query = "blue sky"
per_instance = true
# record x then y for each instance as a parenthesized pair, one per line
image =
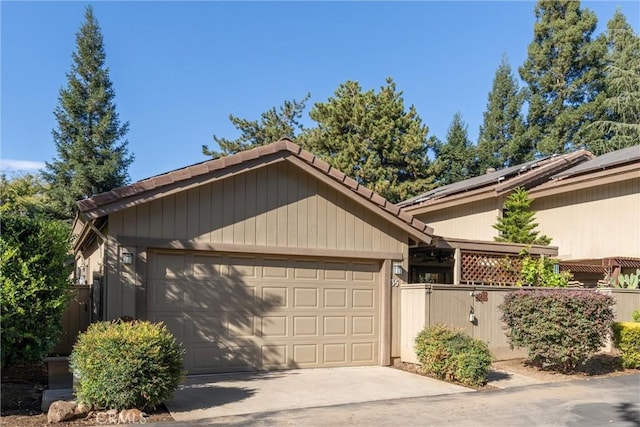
(180, 68)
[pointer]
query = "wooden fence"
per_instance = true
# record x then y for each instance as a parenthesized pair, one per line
(75, 319)
(431, 304)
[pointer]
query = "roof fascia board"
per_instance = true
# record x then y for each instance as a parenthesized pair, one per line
(253, 249)
(602, 177)
(487, 246)
(369, 205)
(454, 200)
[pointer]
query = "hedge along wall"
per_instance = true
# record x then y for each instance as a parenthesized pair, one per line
(431, 304)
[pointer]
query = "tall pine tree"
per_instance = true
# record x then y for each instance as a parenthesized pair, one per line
(92, 153)
(619, 123)
(274, 124)
(455, 159)
(372, 137)
(501, 142)
(518, 225)
(564, 73)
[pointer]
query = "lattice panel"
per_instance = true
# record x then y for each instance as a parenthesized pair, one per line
(490, 269)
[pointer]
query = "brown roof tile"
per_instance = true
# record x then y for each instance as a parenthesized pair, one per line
(284, 146)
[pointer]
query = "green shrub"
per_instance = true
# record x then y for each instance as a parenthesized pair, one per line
(452, 355)
(559, 329)
(35, 285)
(636, 316)
(126, 365)
(626, 338)
(540, 272)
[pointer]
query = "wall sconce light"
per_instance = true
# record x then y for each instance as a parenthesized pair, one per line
(397, 269)
(127, 258)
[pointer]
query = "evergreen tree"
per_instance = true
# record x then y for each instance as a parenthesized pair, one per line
(619, 125)
(501, 142)
(455, 159)
(274, 124)
(89, 138)
(517, 223)
(564, 73)
(372, 138)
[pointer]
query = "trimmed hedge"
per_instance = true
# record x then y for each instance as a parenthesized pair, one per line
(452, 355)
(560, 329)
(626, 338)
(126, 365)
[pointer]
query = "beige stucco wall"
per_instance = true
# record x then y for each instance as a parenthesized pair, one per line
(596, 222)
(467, 221)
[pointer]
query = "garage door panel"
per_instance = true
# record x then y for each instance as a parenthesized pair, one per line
(240, 325)
(305, 297)
(363, 352)
(275, 297)
(363, 298)
(275, 356)
(335, 298)
(242, 267)
(362, 325)
(266, 312)
(274, 326)
(334, 353)
(335, 325)
(305, 354)
(305, 326)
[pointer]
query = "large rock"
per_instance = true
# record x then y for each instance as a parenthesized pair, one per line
(61, 411)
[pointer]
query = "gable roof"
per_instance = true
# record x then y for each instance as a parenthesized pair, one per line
(606, 161)
(200, 173)
(496, 183)
(616, 166)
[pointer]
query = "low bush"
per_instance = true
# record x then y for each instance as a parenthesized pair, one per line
(452, 355)
(626, 338)
(126, 365)
(636, 316)
(559, 329)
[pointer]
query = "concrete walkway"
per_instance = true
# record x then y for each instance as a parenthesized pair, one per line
(214, 396)
(590, 403)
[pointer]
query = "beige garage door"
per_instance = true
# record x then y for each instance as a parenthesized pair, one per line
(236, 312)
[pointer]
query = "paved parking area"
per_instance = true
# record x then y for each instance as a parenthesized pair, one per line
(213, 396)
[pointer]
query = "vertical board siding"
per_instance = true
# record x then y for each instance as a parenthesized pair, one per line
(468, 221)
(279, 205)
(450, 305)
(603, 220)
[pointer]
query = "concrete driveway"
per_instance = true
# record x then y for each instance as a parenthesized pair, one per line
(211, 396)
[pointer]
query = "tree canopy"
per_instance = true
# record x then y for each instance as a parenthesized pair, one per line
(92, 154)
(274, 124)
(373, 138)
(501, 142)
(618, 125)
(517, 224)
(455, 159)
(564, 74)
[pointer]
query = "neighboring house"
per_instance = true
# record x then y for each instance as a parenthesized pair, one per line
(269, 258)
(592, 212)
(468, 209)
(589, 206)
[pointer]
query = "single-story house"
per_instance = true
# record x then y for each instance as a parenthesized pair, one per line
(588, 205)
(269, 258)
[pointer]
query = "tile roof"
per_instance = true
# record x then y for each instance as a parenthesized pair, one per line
(283, 147)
